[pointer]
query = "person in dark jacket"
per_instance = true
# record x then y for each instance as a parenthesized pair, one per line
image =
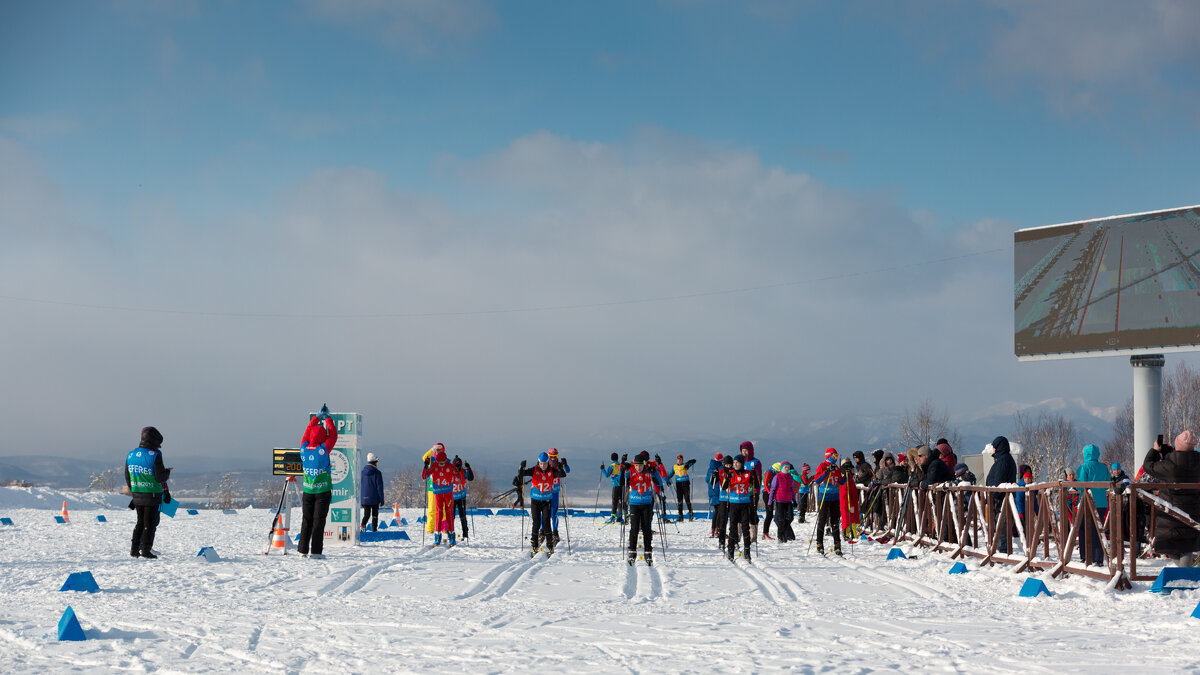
(1172, 537)
(936, 471)
(461, 478)
(1003, 471)
(371, 489)
(146, 478)
(946, 453)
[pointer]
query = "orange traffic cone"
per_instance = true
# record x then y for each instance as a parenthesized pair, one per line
(396, 513)
(279, 536)
(66, 518)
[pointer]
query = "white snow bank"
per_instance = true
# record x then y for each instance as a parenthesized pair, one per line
(49, 498)
(486, 607)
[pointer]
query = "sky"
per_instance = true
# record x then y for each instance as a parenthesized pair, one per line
(531, 224)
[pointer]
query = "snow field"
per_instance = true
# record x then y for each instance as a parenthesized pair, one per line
(485, 606)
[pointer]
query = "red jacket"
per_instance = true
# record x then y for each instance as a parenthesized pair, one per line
(319, 434)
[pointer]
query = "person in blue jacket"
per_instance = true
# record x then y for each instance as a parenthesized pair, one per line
(714, 490)
(1093, 471)
(555, 497)
(371, 490)
(614, 473)
(146, 478)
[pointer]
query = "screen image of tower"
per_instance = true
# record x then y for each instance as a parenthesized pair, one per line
(1111, 285)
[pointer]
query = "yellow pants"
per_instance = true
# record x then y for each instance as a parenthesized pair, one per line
(430, 513)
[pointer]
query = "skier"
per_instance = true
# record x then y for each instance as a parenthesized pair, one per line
(439, 474)
(828, 479)
(783, 494)
(462, 474)
(683, 485)
(319, 438)
(146, 478)
(644, 485)
(371, 487)
(766, 497)
(613, 472)
(721, 512)
(850, 502)
(802, 489)
(714, 490)
(430, 501)
(754, 466)
(742, 484)
(541, 491)
(558, 463)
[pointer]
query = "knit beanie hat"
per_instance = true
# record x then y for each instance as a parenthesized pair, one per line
(1185, 441)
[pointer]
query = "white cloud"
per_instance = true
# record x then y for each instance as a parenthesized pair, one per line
(1086, 53)
(432, 345)
(419, 27)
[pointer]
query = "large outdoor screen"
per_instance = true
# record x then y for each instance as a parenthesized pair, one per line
(1112, 285)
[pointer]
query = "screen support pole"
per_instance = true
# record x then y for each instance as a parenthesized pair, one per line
(1147, 404)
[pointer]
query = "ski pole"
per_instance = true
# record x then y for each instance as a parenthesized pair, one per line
(817, 525)
(566, 518)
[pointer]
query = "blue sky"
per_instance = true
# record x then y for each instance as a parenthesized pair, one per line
(418, 158)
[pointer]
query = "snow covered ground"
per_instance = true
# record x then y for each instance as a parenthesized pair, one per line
(485, 607)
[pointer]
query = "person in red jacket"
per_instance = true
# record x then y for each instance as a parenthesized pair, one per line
(441, 475)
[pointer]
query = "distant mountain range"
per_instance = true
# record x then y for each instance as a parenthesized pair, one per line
(796, 440)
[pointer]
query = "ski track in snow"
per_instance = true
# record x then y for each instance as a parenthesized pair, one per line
(487, 607)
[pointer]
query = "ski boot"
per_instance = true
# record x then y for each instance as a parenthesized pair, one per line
(550, 547)
(555, 538)
(767, 537)
(746, 555)
(135, 550)
(649, 559)
(147, 553)
(632, 557)
(533, 550)
(837, 551)
(729, 554)
(691, 517)
(437, 539)
(452, 542)
(820, 549)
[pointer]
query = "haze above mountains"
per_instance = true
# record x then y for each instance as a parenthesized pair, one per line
(796, 439)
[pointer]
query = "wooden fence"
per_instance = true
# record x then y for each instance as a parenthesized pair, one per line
(1059, 519)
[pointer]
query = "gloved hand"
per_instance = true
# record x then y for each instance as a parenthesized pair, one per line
(131, 506)
(624, 458)
(426, 463)
(468, 465)
(166, 497)
(522, 464)
(657, 458)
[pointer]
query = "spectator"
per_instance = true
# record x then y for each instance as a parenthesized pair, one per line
(1171, 536)
(1092, 471)
(371, 486)
(946, 453)
(963, 474)
(1003, 472)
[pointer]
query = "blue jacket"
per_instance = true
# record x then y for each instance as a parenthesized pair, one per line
(714, 491)
(612, 471)
(371, 486)
(1093, 471)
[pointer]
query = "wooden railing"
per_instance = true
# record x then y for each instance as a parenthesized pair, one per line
(1059, 518)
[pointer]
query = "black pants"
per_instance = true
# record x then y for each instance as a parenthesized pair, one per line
(720, 517)
(313, 511)
(460, 507)
(803, 508)
(739, 520)
(754, 509)
(371, 513)
(616, 502)
(783, 521)
(640, 518)
(683, 493)
(541, 523)
(147, 524)
(830, 512)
